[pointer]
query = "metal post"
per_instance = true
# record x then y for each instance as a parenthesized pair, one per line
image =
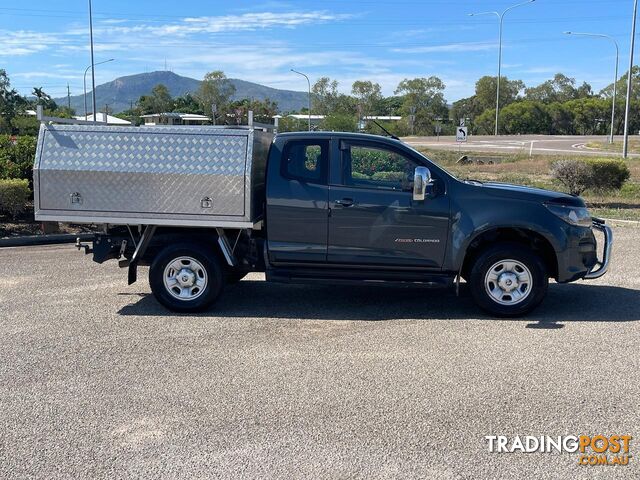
(501, 19)
(85, 84)
(615, 77)
(85, 91)
(615, 91)
(93, 70)
(625, 142)
(499, 73)
(309, 97)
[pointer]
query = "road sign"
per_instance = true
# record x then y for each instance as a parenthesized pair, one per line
(461, 134)
(462, 122)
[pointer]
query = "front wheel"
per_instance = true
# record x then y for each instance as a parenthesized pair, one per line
(508, 280)
(186, 277)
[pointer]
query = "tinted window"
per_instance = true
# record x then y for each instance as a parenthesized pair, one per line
(306, 161)
(377, 167)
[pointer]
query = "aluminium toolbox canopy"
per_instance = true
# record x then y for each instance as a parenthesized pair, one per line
(186, 176)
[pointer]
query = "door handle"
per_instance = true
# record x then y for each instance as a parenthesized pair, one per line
(345, 202)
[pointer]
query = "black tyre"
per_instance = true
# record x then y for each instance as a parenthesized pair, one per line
(508, 280)
(186, 277)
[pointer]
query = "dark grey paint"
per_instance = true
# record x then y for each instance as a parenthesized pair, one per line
(305, 224)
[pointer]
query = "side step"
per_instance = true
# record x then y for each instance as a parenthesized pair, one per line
(359, 277)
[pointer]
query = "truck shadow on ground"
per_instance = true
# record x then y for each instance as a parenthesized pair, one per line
(259, 299)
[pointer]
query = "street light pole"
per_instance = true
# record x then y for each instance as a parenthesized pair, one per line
(625, 142)
(85, 86)
(309, 98)
(501, 20)
(615, 77)
(93, 70)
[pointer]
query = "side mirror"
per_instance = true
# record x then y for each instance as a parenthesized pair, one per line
(421, 178)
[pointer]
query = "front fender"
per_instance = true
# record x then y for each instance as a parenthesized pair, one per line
(472, 217)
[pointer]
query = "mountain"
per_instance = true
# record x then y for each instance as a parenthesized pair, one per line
(120, 93)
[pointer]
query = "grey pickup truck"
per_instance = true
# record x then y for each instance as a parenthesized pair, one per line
(204, 206)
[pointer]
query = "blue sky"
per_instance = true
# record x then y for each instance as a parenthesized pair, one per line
(46, 45)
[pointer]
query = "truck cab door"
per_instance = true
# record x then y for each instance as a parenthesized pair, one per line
(373, 219)
(297, 201)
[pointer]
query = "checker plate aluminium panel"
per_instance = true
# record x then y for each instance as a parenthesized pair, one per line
(148, 175)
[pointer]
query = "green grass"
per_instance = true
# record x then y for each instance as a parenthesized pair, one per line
(617, 213)
(634, 146)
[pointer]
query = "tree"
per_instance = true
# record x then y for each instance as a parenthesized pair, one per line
(159, 101)
(485, 122)
(263, 110)
(590, 115)
(338, 122)
(561, 119)
(424, 98)
(486, 92)
(559, 89)
(525, 117)
(368, 96)
(465, 108)
(10, 102)
(324, 96)
(622, 85)
(187, 103)
(44, 99)
(215, 89)
(391, 105)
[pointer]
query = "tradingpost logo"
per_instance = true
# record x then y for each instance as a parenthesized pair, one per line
(594, 450)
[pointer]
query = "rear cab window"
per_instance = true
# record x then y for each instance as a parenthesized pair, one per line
(306, 161)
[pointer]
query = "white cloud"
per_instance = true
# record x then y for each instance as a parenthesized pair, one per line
(48, 75)
(449, 47)
(215, 24)
(21, 42)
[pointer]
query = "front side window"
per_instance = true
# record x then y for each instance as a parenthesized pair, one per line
(306, 161)
(377, 167)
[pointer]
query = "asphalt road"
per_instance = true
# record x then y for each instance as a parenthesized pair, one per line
(542, 144)
(98, 381)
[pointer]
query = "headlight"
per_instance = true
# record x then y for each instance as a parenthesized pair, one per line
(578, 216)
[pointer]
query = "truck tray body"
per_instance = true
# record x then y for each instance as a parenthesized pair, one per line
(186, 176)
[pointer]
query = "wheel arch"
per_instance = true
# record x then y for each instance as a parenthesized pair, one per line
(166, 236)
(532, 239)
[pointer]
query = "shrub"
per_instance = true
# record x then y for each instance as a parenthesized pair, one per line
(389, 176)
(608, 174)
(14, 194)
(23, 125)
(575, 175)
(16, 157)
(598, 174)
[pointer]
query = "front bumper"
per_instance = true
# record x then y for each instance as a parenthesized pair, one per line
(601, 266)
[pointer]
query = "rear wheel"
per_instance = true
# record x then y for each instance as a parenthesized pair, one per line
(508, 280)
(186, 277)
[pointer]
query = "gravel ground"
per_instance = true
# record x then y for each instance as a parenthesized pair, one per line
(98, 381)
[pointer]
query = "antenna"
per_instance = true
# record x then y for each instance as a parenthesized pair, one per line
(385, 130)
